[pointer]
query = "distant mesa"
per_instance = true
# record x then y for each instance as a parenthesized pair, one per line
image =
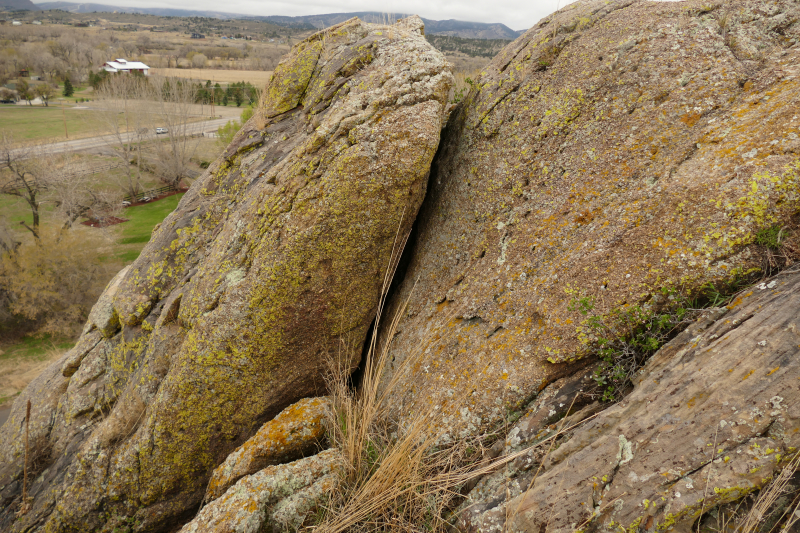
(455, 28)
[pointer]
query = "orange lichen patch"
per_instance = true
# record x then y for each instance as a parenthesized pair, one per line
(690, 119)
(295, 432)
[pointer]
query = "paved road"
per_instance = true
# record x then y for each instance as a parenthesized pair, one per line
(105, 140)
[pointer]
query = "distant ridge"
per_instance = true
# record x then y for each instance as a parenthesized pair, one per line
(73, 7)
(17, 5)
(456, 28)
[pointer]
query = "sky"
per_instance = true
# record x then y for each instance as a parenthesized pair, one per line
(515, 14)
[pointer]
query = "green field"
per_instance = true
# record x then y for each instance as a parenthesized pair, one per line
(38, 123)
(35, 347)
(135, 233)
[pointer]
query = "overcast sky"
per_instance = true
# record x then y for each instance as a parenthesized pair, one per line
(515, 14)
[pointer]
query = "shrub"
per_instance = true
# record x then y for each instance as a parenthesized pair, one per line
(53, 285)
(627, 336)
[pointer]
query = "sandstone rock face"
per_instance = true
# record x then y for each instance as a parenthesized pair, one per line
(296, 432)
(276, 499)
(271, 265)
(616, 149)
(715, 415)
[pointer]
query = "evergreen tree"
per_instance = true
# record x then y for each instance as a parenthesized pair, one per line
(69, 90)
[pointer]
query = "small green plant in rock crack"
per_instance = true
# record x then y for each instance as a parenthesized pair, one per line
(770, 237)
(625, 338)
(459, 94)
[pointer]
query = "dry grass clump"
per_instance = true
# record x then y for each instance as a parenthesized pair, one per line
(400, 477)
(773, 509)
(785, 516)
(396, 477)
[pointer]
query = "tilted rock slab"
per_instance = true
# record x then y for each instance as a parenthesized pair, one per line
(271, 266)
(714, 416)
(276, 499)
(618, 148)
(296, 432)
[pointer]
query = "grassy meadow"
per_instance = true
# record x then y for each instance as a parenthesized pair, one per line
(135, 233)
(46, 124)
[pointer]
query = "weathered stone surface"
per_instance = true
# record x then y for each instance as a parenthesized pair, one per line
(44, 393)
(296, 432)
(103, 315)
(616, 149)
(714, 415)
(271, 264)
(276, 499)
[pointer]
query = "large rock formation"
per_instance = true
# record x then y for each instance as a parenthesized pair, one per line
(271, 266)
(714, 416)
(617, 149)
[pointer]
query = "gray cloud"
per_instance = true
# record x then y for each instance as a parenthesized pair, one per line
(513, 13)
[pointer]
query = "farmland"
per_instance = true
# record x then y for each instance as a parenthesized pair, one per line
(259, 78)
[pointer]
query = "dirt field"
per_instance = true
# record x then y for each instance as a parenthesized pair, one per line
(20, 363)
(259, 78)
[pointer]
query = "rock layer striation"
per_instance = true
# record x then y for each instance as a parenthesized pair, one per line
(714, 416)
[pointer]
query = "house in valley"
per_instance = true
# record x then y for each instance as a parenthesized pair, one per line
(123, 65)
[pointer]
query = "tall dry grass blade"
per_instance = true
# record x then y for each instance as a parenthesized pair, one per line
(708, 477)
(26, 504)
(25, 466)
(769, 495)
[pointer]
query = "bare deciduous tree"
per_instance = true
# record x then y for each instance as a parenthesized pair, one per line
(75, 194)
(25, 176)
(8, 243)
(122, 111)
(174, 100)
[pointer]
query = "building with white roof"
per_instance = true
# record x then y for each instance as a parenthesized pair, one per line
(123, 65)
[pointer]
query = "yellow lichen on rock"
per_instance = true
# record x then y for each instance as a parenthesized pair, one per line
(271, 265)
